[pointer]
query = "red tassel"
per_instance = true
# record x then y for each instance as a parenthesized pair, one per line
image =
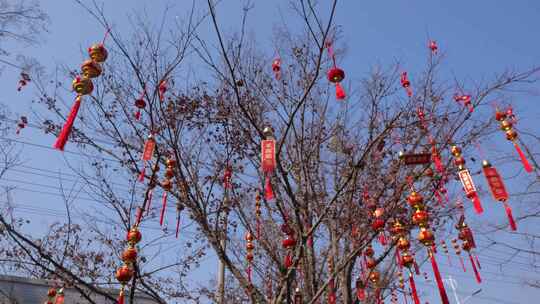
(177, 224)
(248, 271)
(68, 125)
(340, 93)
(476, 273)
(524, 160)
(438, 278)
(511, 220)
(162, 216)
(477, 205)
(143, 173)
(414, 293)
(477, 261)
(121, 297)
(382, 239)
(138, 115)
(138, 216)
(268, 192)
(462, 264)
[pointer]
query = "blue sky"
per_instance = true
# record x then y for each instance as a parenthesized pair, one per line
(480, 38)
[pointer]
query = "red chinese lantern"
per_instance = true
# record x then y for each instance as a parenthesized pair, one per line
(335, 75)
(406, 83)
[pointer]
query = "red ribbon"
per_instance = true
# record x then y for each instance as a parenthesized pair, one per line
(414, 293)
(438, 279)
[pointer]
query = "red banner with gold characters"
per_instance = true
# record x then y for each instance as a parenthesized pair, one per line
(149, 149)
(496, 184)
(268, 155)
(467, 182)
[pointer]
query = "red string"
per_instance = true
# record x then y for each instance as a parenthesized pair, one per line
(477, 261)
(511, 220)
(68, 125)
(524, 160)
(477, 205)
(150, 192)
(268, 192)
(162, 216)
(106, 35)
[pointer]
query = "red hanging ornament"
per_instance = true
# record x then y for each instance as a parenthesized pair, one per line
(498, 190)
(433, 47)
(258, 214)
(227, 177)
(465, 100)
(249, 253)
(466, 179)
(268, 160)
(512, 135)
(24, 80)
(140, 104)
(476, 273)
(162, 89)
(336, 75)
(406, 84)
(148, 152)
(276, 68)
(21, 124)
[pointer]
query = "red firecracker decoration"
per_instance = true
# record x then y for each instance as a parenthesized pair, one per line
(335, 75)
(23, 81)
(268, 161)
(512, 135)
(498, 190)
(465, 100)
(21, 124)
(148, 152)
(466, 179)
(276, 68)
(406, 83)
